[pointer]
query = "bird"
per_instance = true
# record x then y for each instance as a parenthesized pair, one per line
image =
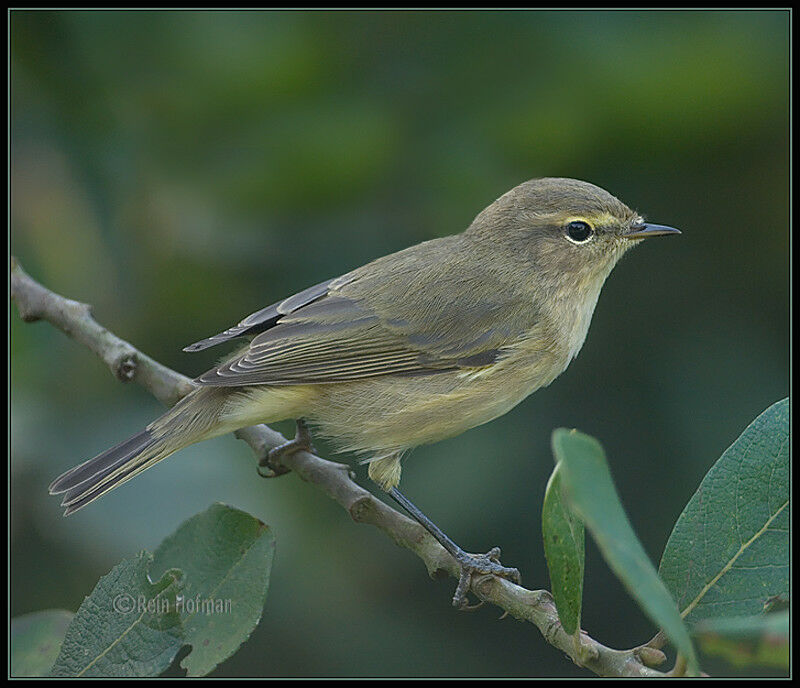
(409, 349)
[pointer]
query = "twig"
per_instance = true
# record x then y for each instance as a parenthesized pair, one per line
(36, 302)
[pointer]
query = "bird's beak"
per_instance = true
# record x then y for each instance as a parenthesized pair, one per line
(642, 231)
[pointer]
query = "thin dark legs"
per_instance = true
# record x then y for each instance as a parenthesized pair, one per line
(471, 564)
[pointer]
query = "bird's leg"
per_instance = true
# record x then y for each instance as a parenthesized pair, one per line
(471, 564)
(272, 461)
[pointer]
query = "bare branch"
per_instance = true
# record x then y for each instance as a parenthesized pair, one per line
(36, 302)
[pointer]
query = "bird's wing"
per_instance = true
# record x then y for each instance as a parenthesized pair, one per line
(336, 339)
(267, 317)
(359, 328)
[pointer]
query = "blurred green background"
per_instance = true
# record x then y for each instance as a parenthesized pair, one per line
(179, 170)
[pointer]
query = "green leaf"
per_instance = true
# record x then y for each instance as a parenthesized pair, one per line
(35, 640)
(590, 491)
(744, 640)
(127, 626)
(226, 557)
(729, 550)
(564, 543)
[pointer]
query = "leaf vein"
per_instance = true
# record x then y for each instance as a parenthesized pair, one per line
(694, 603)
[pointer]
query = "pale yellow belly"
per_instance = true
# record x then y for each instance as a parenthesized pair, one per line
(392, 414)
(383, 415)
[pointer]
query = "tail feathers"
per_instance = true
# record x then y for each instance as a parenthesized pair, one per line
(194, 418)
(107, 461)
(76, 499)
(95, 477)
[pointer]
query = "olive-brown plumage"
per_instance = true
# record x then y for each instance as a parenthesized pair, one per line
(411, 348)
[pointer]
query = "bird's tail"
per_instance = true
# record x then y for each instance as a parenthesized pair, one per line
(185, 423)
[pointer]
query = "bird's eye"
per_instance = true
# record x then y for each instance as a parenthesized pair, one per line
(579, 231)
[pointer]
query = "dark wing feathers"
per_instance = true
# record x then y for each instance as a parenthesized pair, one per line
(355, 326)
(332, 340)
(267, 317)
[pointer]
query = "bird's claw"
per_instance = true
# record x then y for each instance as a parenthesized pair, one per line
(478, 565)
(268, 470)
(272, 461)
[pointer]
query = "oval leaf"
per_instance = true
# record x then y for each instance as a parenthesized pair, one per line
(729, 550)
(564, 543)
(226, 557)
(35, 641)
(127, 626)
(590, 491)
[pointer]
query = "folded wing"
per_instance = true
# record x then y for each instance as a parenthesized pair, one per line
(410, 317)
(267, 317)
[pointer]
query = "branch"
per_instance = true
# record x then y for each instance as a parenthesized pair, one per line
(36, 302)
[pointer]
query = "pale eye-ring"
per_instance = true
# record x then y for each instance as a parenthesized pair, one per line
(578, 231)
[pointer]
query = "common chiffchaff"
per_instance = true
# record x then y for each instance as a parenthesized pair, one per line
(409, 349)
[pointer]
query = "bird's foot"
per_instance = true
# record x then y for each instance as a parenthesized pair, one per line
(478, 565)
(470, 564)
(271, 463)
